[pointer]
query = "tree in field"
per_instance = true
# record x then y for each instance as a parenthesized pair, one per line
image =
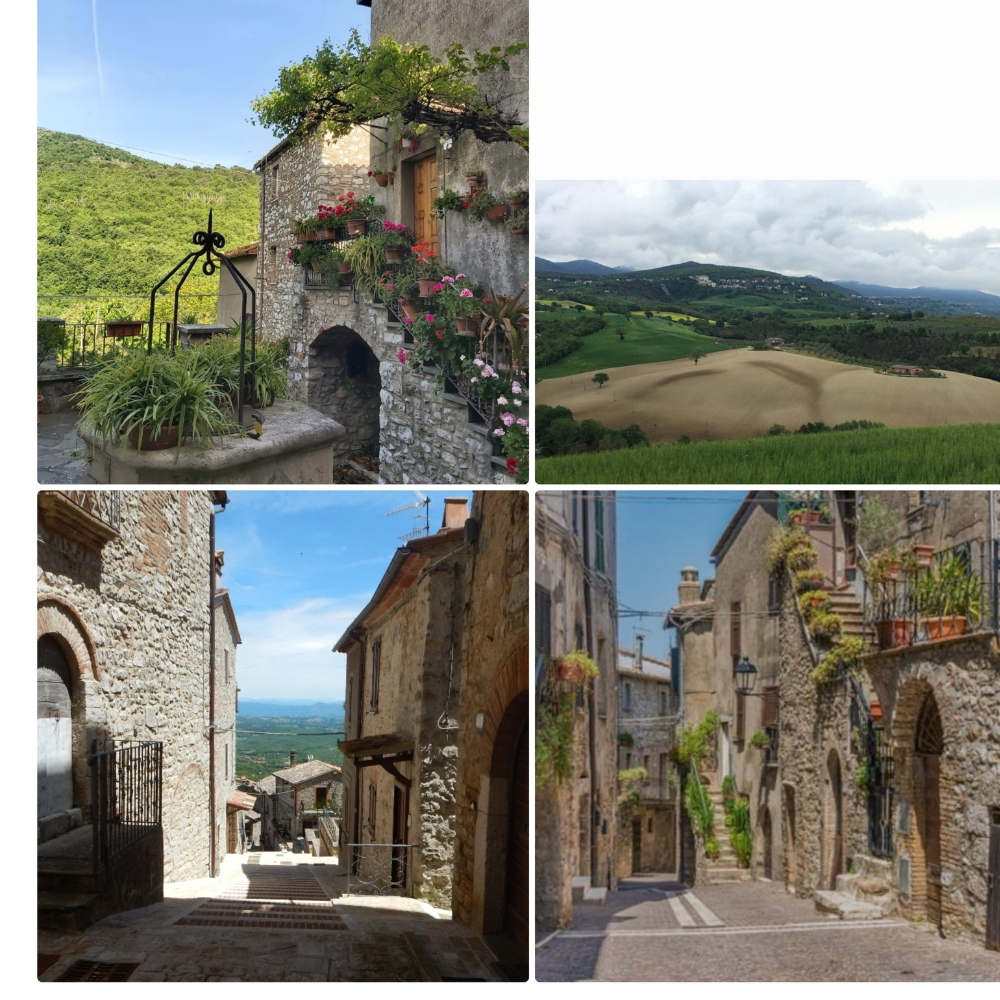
(648, 314)
(580, 309)
(697, 354)
(621, 333)
(600, 378)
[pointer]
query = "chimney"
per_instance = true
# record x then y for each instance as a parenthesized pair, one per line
(638, 650)
(456, 512)
(689, 589)
(291, 759)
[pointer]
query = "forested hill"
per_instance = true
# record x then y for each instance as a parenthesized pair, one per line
(112, 223)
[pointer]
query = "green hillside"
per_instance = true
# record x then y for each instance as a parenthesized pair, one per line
(961, 453)
(259, 755)
(111, 223)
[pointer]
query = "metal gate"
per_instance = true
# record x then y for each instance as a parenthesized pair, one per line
(993, 884)
(880, 767)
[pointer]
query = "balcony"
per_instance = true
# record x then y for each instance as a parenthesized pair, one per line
(90, 518)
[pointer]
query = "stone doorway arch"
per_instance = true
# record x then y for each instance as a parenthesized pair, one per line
(833, 822)
(345, 384)
(928, 746)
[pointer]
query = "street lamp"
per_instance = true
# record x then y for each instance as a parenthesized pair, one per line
(745, 676)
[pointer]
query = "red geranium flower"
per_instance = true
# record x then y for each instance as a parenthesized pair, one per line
(512, 466)
(340, 197)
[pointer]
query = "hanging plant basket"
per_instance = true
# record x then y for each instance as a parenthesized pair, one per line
(356, 227)
(575, 668)
(126, 328)
(497, 213)
(426, 286)
(382, 180)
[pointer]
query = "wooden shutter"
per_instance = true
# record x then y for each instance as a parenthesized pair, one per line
(376, 671)
(543, 621)
(735, 636)
(425, 221)
(741, 717)
(769, 715)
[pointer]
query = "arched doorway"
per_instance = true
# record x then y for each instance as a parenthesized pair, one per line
(833, 822)
(928, 747)
(515, 921)
(54, 728)
(344, 384)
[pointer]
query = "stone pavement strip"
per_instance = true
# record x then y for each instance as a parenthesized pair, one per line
(282, 919)
(655, 930)
(62, 455)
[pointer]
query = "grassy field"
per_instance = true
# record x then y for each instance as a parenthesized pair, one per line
(741, 393)
(258, 756)
(960, 454)
(646, 340)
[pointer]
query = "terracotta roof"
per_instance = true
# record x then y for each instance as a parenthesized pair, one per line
(241, 800)
(268, 785)
(308, 771)
(249, 250)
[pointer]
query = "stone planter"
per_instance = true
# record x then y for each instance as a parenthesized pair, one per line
(356, 227)
(942, 626)
(497, 213)
(128, 328)
(167, 438)
(426, 286)
(893, 632)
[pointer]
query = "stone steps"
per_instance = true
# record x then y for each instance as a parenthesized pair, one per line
(845, 907)
(862, 895)
(66, 911)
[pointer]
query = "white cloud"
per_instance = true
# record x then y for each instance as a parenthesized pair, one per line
(892, 233)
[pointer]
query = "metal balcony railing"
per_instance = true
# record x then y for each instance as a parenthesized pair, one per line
(378, 869)
(105, 505)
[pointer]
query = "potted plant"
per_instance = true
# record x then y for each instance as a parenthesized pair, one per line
(805, 580)
(326, 223)
(448, 201)
(923, 555)
(480, 202)
(365, 256)
(950, 598)
(760, 740)
(402, 286)
(475, 177)
(824, 624)
(712, 850)
(575, 667)
(518, 222)
(428, 277)
(518, 198)
(305, 229)
(398, 239)
(882, 573)
(626, 740)
(382, 177)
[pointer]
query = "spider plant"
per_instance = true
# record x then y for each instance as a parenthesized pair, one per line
(366, 255)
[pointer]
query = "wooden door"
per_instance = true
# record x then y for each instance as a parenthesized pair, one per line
(425, 221)
(993, 884)
(636, 845)
(515, 920)
(400, 808)
(932, 836)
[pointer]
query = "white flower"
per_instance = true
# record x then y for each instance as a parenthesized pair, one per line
(517, 402)
(502, 400)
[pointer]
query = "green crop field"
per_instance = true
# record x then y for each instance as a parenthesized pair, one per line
(961, 453)
(258, 756)
(645, 340)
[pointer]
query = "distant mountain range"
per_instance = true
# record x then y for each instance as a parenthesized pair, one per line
(291, 709)
(577, 267)
(981, 301)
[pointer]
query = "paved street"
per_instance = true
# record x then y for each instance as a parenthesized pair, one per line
(61, 453)
(653, 929)
(276, 917)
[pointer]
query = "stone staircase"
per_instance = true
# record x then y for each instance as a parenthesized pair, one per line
(584, 892)
(846, 605)
(724, 868)
(68, 890)
(861, 895)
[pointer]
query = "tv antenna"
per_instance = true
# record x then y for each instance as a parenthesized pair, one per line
(418, 528)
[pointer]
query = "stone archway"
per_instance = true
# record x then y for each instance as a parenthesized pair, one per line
(54, 729)
(833, 822)
(345, 384)
(928, 745)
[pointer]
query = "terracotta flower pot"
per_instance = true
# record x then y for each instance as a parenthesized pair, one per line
(326, 234)
(314, 264)
(167, 438)
(130, 328)
(467, 326)
(409, 309)
(497, 213)
(395, 254)
(343, 267)
(516, 203)
(924, 555)
(426, 286)
(356, 227)
(382, 180)
(942, 626)
(569, 671)
(893, 632)
(301, 237)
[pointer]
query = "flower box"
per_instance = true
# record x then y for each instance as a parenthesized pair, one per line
(124, 328)
(942, 626)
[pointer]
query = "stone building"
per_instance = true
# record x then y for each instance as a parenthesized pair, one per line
(647, 724)
(229, 306)
(492, 846)
(344, 347)
(404, 656)
(127, 667)
(302, 791)
(576, 609)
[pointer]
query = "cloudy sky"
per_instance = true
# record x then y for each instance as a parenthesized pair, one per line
(901, 233)
(300, 566)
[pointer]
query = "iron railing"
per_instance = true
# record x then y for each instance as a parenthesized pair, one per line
(105, 505)
(378, 869)
(895, 612)
(126, 794)
(88, 344)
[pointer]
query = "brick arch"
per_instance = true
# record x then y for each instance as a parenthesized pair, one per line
(58, 617)
(504, 718)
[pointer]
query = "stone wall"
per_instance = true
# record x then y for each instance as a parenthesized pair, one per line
(133, 622)
(494, 683)
(963, 676)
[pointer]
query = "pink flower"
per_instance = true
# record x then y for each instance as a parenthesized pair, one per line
(502, 400)
(474, 379)
(401, 354)
(517, 402)
(440, 335)
(429, 317)
(465, 293)
(523, 422)
(289, 254)
(507, 418)
(438, 286)
(488, 372)
(407, 319)
(389, 287)
(499, 432)
(449, 280)
(516, 388)
(459, 277)
(479, 361)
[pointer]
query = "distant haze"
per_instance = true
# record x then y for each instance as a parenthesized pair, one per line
(940, 234)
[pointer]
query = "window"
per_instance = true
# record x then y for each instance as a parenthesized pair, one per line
(274, 182)
(320, 798)
(664, 701)
(645, 764)
(628, 760)
(773, 595)
(376, 671)
(735, 631)
(372, 803)
(543, 621)
(769, 713)
(599, 563)
(627, 698)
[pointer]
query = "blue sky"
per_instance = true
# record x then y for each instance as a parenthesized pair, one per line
(299, 566)
(176, 78)
(658, 533)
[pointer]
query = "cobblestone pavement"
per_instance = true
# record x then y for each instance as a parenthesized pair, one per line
(653, 929)
(61, 453)
(281, 918)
